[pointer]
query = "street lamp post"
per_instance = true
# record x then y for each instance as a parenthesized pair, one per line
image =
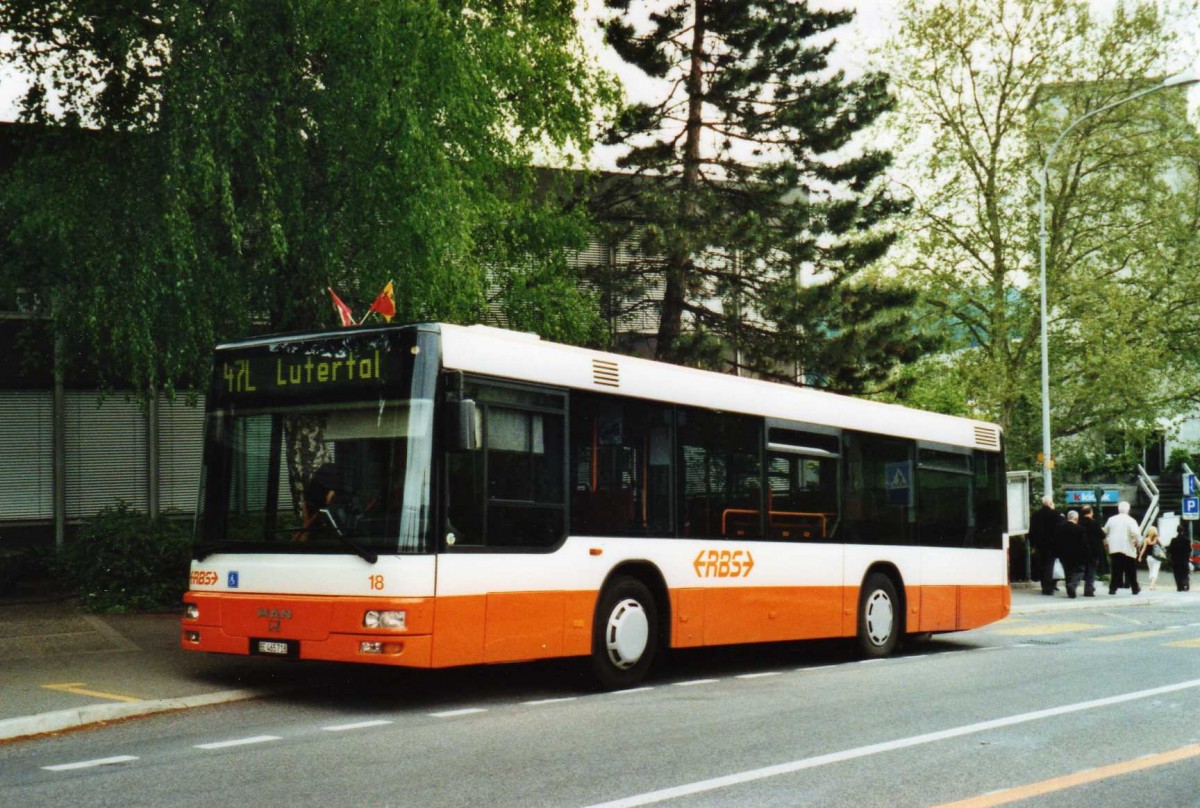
(1181, 80)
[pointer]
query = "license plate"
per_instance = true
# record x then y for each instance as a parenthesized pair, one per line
(287, 648)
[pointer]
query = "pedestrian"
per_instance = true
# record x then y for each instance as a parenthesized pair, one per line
(1093, 548)
(1152, 551)
(1121, 539)
(1180, 551)
(1071, 544)
(1042, 526)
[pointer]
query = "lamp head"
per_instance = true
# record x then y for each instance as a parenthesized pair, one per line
(1189, 76)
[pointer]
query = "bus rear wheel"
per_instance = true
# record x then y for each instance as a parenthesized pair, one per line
(625, 634)
(878, 617)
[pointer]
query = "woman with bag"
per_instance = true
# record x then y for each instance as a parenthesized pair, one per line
(1152, 549)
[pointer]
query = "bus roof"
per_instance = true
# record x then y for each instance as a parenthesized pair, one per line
(524, 357)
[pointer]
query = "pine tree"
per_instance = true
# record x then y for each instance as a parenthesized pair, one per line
(755, 212)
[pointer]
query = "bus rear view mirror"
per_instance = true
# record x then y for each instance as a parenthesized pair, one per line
(462, 425)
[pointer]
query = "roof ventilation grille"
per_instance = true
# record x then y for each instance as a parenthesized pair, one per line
(987, 437)
(606, 373)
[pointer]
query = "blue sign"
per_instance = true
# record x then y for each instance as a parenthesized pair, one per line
(1189, 485)
(1087, 496)
(233, 580)
(898, 478)
(1191, 507)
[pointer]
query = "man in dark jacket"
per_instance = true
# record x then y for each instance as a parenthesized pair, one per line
(1042, 527)
(1180, 553)
(1093, 550)
(1071, 544)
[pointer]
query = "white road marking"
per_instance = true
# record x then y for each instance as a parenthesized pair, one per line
(455, 713)
(757, 675)
(87, 764)
(694, 682)
(627, 692)
(537, 702)
(238, 742)
(702, 786)
(359, 725)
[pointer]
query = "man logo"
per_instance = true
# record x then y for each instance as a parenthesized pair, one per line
(233, 580)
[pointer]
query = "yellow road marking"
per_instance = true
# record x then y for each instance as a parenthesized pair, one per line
(1077, 779)
(1133, 635)
(1050, 628)
(1185, 644)
(77, 689)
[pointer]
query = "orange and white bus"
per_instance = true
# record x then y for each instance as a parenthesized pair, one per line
(436, 495)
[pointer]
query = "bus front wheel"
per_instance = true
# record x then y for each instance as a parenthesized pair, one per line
(878, 617)
(624, 634)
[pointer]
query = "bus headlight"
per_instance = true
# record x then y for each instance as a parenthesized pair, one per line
(385, 619)
(191, 611)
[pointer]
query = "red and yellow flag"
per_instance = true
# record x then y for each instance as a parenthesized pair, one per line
(385, 304)
(343, 311)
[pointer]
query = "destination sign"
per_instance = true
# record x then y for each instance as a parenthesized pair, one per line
(249, 375)
(343, 367)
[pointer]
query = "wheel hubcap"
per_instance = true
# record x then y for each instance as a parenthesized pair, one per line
(627, 634)
(879, 617)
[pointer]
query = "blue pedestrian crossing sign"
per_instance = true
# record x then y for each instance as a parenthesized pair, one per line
(898, 478)
(1189, 485)
(1191, 507)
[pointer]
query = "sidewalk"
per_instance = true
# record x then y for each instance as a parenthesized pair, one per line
(61, 668)
(1027, 597)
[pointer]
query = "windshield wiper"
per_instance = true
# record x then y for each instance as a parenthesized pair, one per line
(363, 552)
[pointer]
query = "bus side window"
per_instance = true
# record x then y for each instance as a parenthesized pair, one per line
(509, 492)
(620, 461)
(720, 489)
(878, 493)
(803, 497)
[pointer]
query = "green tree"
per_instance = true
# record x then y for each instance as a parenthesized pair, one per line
(209, 168)
(754, 206)
(985, 88)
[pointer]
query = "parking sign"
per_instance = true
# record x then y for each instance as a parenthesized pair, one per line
(1189, 485)
(1191, 507)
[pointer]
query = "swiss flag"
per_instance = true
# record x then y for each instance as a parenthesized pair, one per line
(343, 311)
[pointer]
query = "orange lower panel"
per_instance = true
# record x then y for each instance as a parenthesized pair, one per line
(980, 605)
(325, 628)
(956, 608)
(412, 651)
(939, 608)
(510, 627)
(763, 614)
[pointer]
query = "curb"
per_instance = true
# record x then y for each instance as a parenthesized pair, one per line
(1103, 600)
(13, 728)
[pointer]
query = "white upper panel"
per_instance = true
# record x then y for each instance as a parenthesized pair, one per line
(523, 357)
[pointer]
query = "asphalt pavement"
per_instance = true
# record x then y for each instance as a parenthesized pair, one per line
(61, 668)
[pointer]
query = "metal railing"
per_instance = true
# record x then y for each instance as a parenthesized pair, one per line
(1148, 486)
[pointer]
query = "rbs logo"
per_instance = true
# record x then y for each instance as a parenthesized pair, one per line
(204, 578)
(723, 563)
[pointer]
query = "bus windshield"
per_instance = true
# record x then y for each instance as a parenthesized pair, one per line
(328, 471)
